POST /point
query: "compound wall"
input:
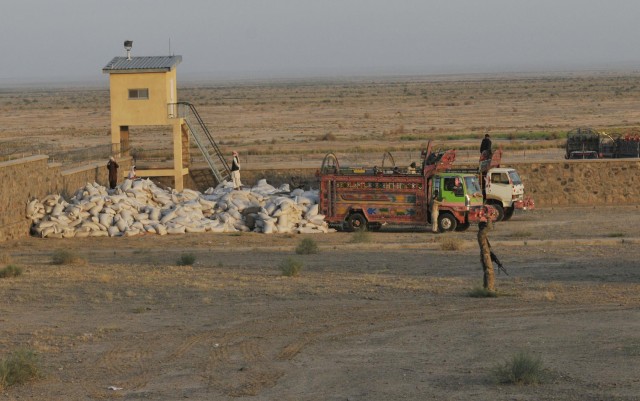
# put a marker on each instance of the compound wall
(551, 183)
(34, 177)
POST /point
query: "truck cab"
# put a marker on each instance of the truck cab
(505, 192)
(459, 196)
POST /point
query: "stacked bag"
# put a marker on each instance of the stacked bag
(140, 207)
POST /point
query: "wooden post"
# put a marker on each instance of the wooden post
(489, 282)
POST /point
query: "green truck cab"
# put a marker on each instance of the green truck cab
(460, 200)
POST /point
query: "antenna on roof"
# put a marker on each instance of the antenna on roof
(128, 44)
(169, 45)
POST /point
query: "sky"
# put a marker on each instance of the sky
(72, 40)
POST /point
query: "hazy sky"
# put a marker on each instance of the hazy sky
(62, 40)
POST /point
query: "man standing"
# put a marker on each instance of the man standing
(235, 171)
(112, 166)
(435, 205)
(486, 144)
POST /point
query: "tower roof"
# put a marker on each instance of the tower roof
(123, 65)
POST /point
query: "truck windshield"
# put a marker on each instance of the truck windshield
(473, 185)
(515, 178)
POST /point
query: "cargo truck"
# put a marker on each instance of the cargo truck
(367, 198)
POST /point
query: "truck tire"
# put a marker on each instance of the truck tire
(446, 222)
(356, 222)
(462, 226)
(508, 213)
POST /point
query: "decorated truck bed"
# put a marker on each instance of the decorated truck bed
(367, 198)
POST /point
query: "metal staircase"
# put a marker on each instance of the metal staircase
(203, 139)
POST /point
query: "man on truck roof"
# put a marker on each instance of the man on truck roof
(485, 145)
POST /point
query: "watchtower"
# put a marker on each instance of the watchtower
(143, 92)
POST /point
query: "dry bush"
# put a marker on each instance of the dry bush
(451, 244)
(522, 368)
(291, 267)
(10, 271)
(186, 259)
(359, 237)
(329, 136)
(65, 257)
(399, 130)
(5, 258)
(521, 234)
(481, 292)
(19, 367)
(307, 246)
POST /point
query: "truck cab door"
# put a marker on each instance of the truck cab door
(433, 192)
(450, 192)
(498, 186)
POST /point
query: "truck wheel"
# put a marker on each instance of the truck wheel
(446, 222)
(463, 226)
(508, 213)
(500, 210)
(356, 222)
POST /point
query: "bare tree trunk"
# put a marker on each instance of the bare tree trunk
(489, 281)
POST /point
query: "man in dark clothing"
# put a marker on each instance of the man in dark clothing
(112, 166)
(486, 144)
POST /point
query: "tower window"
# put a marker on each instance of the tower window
(139, 93)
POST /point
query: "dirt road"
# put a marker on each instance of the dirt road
(389, 318)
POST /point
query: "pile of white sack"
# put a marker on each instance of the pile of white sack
(137, 207)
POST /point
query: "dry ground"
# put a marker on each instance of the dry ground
(386, 319)
(302, 121)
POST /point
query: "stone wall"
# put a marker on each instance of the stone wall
(34, 177)
(582, 182)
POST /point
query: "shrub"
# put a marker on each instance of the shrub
(307, 247)
(615, 235)
(359, 237)
(19, 367)
(521, 234)
(5, 258)
(291, 267)
(186, 259)
(481, 292)
(451, 244)
(522, 368)
(10, 271)
(64, 257)
(329, 136)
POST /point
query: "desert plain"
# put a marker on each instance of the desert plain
(385, 316)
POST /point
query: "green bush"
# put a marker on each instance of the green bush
(522, 368)
(481, 292)
(10, 271)
(360, 237)
(5, 258)
(451, 244)
(307, 247)
(19, 367)
(186, 259)
(291, 267)
(64, 257)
